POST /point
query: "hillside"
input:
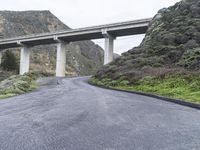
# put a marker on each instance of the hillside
(83, 57)
(170, 52)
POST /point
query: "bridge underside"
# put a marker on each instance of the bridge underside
(74, 37)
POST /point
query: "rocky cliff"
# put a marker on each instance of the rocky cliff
(83, 57)
(172, 43)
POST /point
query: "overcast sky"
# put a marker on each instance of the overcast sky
(83, 13)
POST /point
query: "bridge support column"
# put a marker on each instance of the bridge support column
(24, 60)
(61, 59)
(109, 45)
(0, 57)
(108, 53)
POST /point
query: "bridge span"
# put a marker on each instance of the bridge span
(109, 32)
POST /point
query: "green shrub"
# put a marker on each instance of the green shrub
(148, 80)
(195, 85)
(190, 58)
(18, 85)
(124, 82)
(9, 61)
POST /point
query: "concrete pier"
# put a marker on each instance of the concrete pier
(108, 53)
(0, 57)
(61, 59)
(109, 46)
(24, 60)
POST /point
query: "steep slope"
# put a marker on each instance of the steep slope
(172, 40)
(14, 23)
(170, 52)
(83, 58)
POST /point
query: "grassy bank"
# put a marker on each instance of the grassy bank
(184, 87)
(17, 84)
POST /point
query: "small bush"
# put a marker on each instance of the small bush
(9, 61)
(17, 85)
(190, 59)
(124, 82)
(148, 80)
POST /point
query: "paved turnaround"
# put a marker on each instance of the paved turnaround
(77, 116)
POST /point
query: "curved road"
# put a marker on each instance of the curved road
(76, 116)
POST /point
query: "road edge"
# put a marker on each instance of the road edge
(176, 101)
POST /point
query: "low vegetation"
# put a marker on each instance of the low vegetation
(185, 87)
(10, 83)
(17, 84)
(10, 62)
(167, 62)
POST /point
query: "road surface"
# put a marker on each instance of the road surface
(74, 115)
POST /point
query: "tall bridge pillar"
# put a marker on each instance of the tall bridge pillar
(108, 54)
(24, 59)
(109, 45)
(61, 58)
(0, 57)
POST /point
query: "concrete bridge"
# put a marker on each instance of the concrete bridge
(109, 32)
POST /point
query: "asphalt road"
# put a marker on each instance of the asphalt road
(77, 116)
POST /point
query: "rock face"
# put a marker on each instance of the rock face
(172, 41)
(83, 58)
(14, 23)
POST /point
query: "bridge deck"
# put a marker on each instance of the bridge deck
(88, 33)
